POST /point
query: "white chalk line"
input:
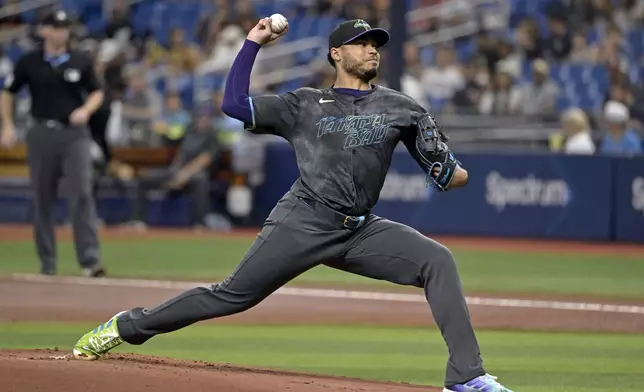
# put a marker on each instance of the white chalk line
(339, 294)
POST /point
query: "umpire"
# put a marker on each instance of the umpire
(64, 94)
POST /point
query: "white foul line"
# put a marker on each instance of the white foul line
(339, 294)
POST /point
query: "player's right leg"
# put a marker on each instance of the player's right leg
(292, 241)
(44, 172)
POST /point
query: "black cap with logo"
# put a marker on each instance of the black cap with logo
(353, 29)
(57, 19)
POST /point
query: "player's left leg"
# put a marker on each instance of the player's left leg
(391, 251)
(77, 170)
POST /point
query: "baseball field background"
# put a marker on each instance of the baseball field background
(550, 316)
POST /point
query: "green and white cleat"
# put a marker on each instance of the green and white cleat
(99, 341)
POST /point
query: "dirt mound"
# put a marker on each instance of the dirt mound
(55, 371)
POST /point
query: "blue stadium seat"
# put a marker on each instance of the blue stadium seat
(305, 27)
(563, 103)
(465, 49)
(187, 95)
(13, 51)
(635, 39)
(593, 36)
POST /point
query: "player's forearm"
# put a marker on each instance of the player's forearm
(236, 102)
(94, 101)
(197, 164)
(460, 178)
(6, 107)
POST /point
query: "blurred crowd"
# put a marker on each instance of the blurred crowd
(577, 65)
(489, 71)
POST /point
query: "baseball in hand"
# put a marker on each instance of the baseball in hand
(278, 23)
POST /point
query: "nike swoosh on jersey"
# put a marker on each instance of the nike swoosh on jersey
(322, 100)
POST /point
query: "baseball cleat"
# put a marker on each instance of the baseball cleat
(484, 383)
(95, 272)
(99, 341)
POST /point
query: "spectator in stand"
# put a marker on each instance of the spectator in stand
(337, 8)
(559, 42)
(529, 41)
(189, 172)
(228, 42)
(538, 98)
(619, 139)
(467, 99)
(576, 135)
(119, 20)
(444, 79)
(509, 59)
(501, 98)
(411, 79)
(245, 15)
(176, 78)
(210, 23)
(581, 52)
(622, 91)
(173, 121)
(141, 105)
(611, 51)
(630, 15)
(187, 55)
(380, 13)
(488, 48)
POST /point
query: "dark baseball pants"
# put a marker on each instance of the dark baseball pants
(299, 235)
(56, 151)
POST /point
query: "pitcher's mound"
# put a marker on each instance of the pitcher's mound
(57, 371)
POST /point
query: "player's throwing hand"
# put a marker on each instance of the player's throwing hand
(263, 32)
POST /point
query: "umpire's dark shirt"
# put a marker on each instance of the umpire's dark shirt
(56, 90)
(344, 144)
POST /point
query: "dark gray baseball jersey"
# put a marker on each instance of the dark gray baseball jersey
(343, 143)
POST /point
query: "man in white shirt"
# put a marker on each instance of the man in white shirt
(444, 79)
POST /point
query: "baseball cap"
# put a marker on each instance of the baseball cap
(57, 19)
(616, 112)
(351, 30)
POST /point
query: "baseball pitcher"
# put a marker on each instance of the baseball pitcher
(344, 137)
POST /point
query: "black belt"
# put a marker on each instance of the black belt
(348, 221)
(52, 122)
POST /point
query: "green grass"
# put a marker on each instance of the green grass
(212, 259)
(527, 361)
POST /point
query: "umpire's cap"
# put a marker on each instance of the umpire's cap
(57, 19)
(354, 29)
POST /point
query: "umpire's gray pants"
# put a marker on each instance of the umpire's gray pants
(298, 236)
(56, 151)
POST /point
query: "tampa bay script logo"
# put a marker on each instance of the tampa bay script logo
(360, 130)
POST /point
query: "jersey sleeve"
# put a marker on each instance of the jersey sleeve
(274, 114)
(15, 81)
(89, 80)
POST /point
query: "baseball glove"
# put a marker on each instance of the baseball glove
(434, 153)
